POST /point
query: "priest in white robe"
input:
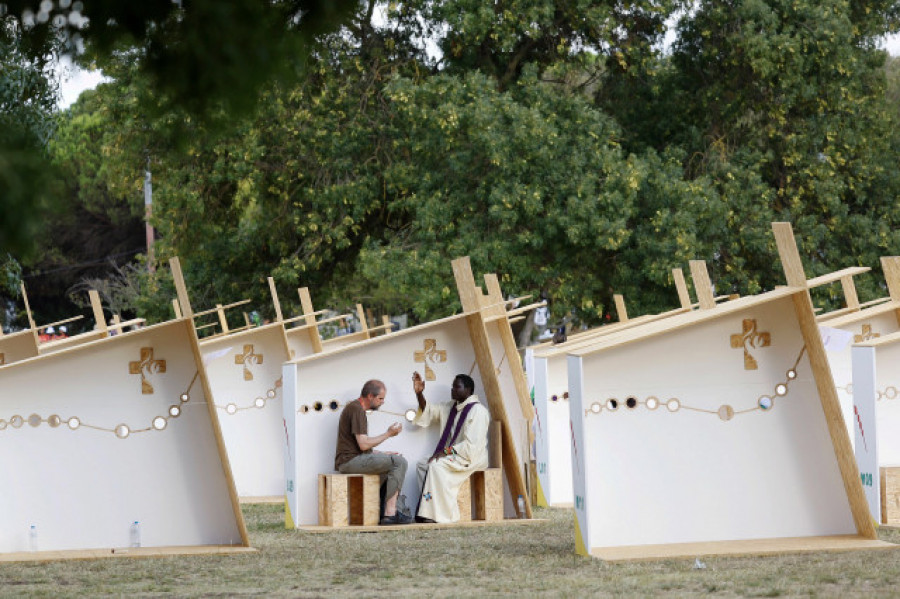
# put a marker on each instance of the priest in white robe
(461, 450)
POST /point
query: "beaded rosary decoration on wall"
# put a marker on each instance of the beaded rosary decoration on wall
(889, 392)
(122, 431)
(725, 412)
(258, 403)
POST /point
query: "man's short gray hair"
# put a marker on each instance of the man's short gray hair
(372, 387)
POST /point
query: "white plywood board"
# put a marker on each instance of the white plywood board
(244, 371)
(83, 488)
(887, 402)
(553, 459)
(864, 425)
(858, 327)
(652, 476)
(317, 388)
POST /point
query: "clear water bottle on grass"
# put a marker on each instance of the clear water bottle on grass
(32, 538)
(135, 534)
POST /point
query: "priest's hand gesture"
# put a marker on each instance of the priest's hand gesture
(419, 389)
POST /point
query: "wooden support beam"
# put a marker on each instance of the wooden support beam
(223, 322)
(515, 311)
(180, 288)
(275, 302)
(470, 296)
(34, 331)
(511, 350)
(177, 307)
(891, 267)
(850, 297)
(494, 297)
(63, 321)
(875, 302)
(306, 305)
(702, 284)
(836, 276)
(97, 307)
(621, 312)
(119, 325)
(386, 324)
(361, 315)
(304, 317)
(221, 307)
(815, 351)
(684, 297)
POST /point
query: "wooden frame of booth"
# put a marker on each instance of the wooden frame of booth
(807, 434)
(98, 445)
(480, 336)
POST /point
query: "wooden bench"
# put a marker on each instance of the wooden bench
(349, 499)
(481, 496)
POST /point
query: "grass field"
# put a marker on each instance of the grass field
(533, 560)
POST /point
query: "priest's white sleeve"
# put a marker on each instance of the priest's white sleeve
(431, 413)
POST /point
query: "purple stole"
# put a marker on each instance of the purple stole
(444, 437)
(443, 443)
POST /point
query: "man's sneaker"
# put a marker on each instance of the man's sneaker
(398, 518)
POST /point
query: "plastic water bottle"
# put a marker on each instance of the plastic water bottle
(521, 503)
(32, 538)
(136, 534)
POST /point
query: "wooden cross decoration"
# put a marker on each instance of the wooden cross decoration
(248, 358)
(430, 352)
(146, 366)
(750, 339)
(866, 335)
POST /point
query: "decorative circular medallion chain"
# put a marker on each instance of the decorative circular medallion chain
(889, 392)
(122, 431)
(258, 403)
(333, 405)
(725, 412)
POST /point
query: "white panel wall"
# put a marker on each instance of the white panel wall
(657, 477)
(83, 488)
(244, 371)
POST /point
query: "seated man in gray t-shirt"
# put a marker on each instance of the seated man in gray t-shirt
(353, 453)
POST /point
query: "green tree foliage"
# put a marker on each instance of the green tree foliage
(781, 104)
(552, 141)
(489, 174)
(27, 102)
(206, 58)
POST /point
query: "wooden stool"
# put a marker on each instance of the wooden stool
(481, 496)
(349, 499)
